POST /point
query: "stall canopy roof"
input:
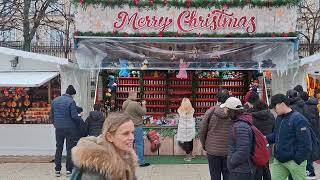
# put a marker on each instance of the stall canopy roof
(190, 53)
(310, 59)
(25, 79)
(33, 56)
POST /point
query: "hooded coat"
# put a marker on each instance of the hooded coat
(312, 114)
(297, 104)
(95, 122)
(241, 145)
(96, 159)
(214, 130)
(264, 121)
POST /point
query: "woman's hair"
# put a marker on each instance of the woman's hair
(114, 121)
(233, 114)
(186, 106)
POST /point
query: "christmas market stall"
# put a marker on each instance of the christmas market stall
(168, 50)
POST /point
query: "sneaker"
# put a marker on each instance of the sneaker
(311, 175)
(57, 173)
(144, 165)
(188, 158)
(69, 173)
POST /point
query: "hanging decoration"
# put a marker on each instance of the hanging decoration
(187, 3)
(183, 69)
(136, 2)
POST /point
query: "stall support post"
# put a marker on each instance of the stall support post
(49, 92)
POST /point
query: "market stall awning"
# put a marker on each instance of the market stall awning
(33, 56)
(25, 79)
(310, 59)
(196, 53)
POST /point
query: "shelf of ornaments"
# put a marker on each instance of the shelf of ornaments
(221, 86)
(129, 85)
(156, 113)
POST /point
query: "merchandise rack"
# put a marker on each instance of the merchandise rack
(164, 94)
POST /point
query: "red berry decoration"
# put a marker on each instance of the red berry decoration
(165, 2)
(285, 35)
(136, 2)
(225, 6)
(151, 2)
(82, 2)
(160, 34)
(187, 3)
(273, 35)
(178, 34)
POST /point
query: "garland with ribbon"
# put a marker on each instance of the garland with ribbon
(188, 3)
(177, 34)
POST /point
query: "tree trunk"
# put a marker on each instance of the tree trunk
(26, 26)
(27, 44)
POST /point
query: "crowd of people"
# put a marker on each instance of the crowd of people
(230, 132)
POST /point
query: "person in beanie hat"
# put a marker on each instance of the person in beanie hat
(292, 141)
(64, 116)
(214, 131)
(298, 88)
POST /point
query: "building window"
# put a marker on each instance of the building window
(9, 35)
(56, 37)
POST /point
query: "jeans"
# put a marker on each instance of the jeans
(263, 172)
(241, 176)
(72, 137)
(139, 143)
(218, 165)
(187, 146)
(280, 171)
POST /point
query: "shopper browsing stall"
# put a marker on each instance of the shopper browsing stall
(214, 130)
(186, 128)
(136, 111)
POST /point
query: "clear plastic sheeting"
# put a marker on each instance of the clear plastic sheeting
(190, 53)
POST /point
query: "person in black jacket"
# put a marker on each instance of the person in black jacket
(95, 121)
(264, 120)
(312, 114)
(295, 102)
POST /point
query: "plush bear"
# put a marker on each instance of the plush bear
(111, 84)
(124, 72)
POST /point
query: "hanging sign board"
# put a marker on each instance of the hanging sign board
(191, 20)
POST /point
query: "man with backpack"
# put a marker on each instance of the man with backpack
(292, 140)
(240, 164)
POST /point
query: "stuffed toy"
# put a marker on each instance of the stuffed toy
(124, 72)
(154, 139)
(183, 70)
(111, 84)
(144, 65)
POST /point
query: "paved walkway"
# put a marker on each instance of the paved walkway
(44, 171)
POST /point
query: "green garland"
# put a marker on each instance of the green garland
(189, 3)
(174, 34)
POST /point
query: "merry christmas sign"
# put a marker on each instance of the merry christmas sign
(186, 20)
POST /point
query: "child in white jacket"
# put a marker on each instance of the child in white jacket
(186, 128)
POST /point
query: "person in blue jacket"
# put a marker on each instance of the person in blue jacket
(66, 121)
(292, 141)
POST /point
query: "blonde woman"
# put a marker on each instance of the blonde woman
(109, 156)
(186, 128)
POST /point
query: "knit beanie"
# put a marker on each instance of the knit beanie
(70, 90)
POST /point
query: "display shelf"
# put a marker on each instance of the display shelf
(206, 93)
(129, 85)
(232, 79)
(156, 113)
(205, 100)
(232, 86)
(174, 106)
(154, 92)
(180, 93)
(155, 99)
(237, 93)
(154, 85)
(209, 86)
(128, 78)
(156, 106)
(180, 85)
(209, 79)
(154, 78)
(125, 92)
(202, 107)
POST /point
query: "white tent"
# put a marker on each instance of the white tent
(26, 69)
